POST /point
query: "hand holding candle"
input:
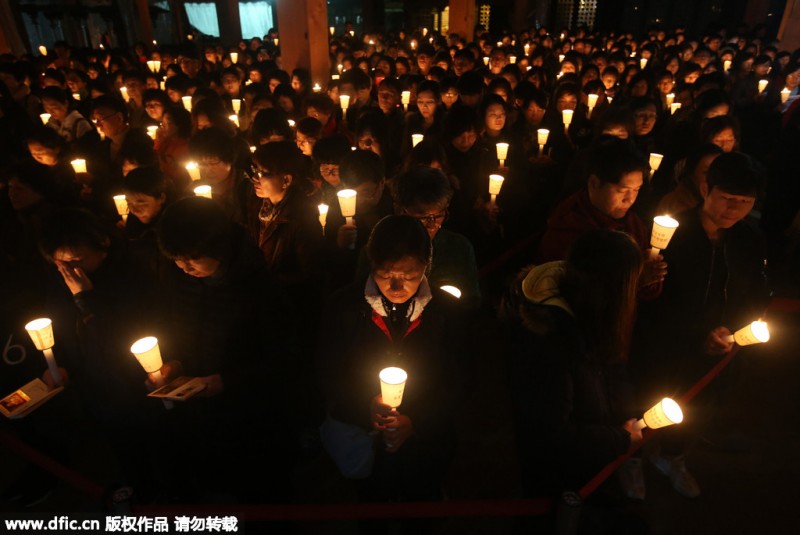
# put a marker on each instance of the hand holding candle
(344, 102)
(655, 161)
(236, 104)
(665, 412)
(755, 333)
(566, 116)
(393, 383)
(347, 204)
(663, 229)
(41, 332)
(148, 354)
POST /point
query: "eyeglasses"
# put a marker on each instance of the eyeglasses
(104, 118)
(431, 220)
(257, 174)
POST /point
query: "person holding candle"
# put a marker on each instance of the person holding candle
(69, 124)
(281, 218)
(172, 146)
(394, 318)
(568, 325)
(221, 318)
(97, 300)
(616, 175)
(147, 194)
(109, 114)
(716, 284)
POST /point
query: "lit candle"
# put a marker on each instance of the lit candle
(344, 101)
(726, 65)
(785, 95)
(323, 215)
(415, 139)
(591, 101)
(193, 170)
(566, 116)
(542, 134)
(347, 204)
(234, 119)
(413, 45)
(148, 354)
(424, 32)
(405, 98)
(663, 229)
(502, 152)
(252, 148)
(76, 96)
(486, 60)
(561, 58)
(236, 104)
(670, 98)
(755, 333)
(452, 290)
(42, 50)
(44, 117)
(276, 41)
(334, 77)
(512, 59)
(393, 382)
(79, 165)
(151, 131)
(655, 161)
(124, 91)
(317, 88)
(234, 57)
(675, 106)
(642, 63)
(527, 48)
(665, 412)
(291, 123)
(162, 85)
(121, 203)
(340, 68)
(154, 65)
(41, 332)
(203, 191)
(332, 30)
(187, 102)
(762, 85)
(352, 33)
(495, 185)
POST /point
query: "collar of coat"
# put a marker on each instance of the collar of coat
(373, 296)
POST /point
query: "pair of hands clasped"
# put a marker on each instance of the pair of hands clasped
(395, 428)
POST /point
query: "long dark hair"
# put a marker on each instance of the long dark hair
(600, 282)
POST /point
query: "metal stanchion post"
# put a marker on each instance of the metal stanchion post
(568, 514)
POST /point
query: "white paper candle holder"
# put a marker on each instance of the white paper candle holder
(347, 203)
(41, 332)
(203, 191)
(78, 165)
(755, 333)
(664, 413)
(663, 228)
(393, 383)
(416, 139)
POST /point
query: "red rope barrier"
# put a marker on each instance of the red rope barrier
(318, 512)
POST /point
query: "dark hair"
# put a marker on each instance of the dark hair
(360, 166)
(73, 227)
(460, 119)
(715, 125)
(54, 93)
(195, 227)
(110, 102)
(613, 158)
(270, 121)
(146, 180)
(736, 173)
(600, 284)
(182, 120)
(282, 158)
(396, 237)
(319, 101)
(421, 186)
(213, 142)
(430, 86)
(140, 153)
(310, 127)
(47, 137)
(331, 150)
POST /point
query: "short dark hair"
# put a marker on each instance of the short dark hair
(331, 150)
(396, 237)
(421, 186)
(282, 158)
(147, 181)
(213, 142)
(195, 227)
(613, 158)
(310, 127)
(361, 166)
(736, 173)
(73, 227)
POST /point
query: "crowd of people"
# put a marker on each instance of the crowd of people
(287, 311)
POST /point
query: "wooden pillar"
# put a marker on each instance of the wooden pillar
(303, 31)
(145, 29)
(789, 32)
(462, 18)
(230, 27)
(11, 41)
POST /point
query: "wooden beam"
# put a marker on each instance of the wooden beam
(303, 31)
(145, 22)
(463, 15)
(230, 27)
(789, 32)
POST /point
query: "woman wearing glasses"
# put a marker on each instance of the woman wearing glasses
(281, 218)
